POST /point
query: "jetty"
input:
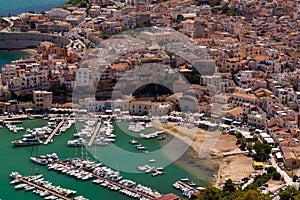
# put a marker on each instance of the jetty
(113, 182)
(124, 187)
(95, 133)
(43, 188)
(53, 132)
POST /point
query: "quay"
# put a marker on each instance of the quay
(114, 183)
(94, 134)
(12, 122)
(53, 132)
(42, 188)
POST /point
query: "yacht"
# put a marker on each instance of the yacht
(76, 143)
(41, 161)
(14, 175)
(20, 186)
(26, 142)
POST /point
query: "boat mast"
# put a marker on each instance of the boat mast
(95, 151)
(36, 165)
(82, 152)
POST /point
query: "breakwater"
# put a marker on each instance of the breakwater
(15, 41)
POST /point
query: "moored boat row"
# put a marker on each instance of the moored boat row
(43, 188)
(106, 177)
(186, 189)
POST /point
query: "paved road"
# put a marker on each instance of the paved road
(288, 180)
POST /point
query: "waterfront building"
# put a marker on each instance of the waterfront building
(42, 100)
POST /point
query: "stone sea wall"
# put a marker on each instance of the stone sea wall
(14, 41)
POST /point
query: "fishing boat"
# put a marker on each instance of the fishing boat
(141, 147)
(192, 184)
(185, 179)
(133, 142)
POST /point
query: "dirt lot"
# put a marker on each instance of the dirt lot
(236, 167)
(225, 143)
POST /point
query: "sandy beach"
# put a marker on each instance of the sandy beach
(224, 166)
(30, 51)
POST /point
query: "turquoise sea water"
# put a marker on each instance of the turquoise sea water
(17, 159)
(18, 6)
(8, 56)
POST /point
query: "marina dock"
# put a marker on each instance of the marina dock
(53, 132)
(44, 189)
(94, 134)
(114, 183)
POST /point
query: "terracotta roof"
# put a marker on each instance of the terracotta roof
(243, 95)
(46, 43)
(283, 133)
(284, 143)
(275, 128)
(118, 66)
(235, 111)
(170, 196)
(260, 57)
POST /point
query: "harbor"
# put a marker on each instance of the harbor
(106, 154)
(86, 169)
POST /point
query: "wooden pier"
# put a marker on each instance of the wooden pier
(94, 134)
(44, 189)
(53, 132)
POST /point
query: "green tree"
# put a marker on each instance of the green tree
(243, 143)
(228, 187)
(262, 150)
(239, 135)
(276, 176)
(253, 195)
(210, 193)
(249, 147)
(104, 36)
(271, 170)
(286, 195)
